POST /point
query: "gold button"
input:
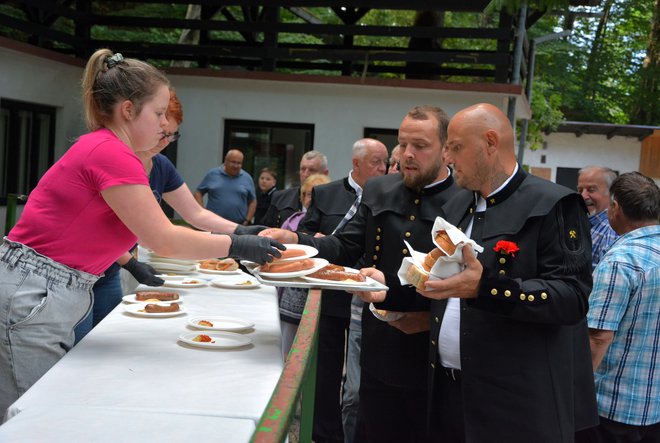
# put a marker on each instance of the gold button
(501, 272)
(471, 210)
(375, 257)
(507, 293)
(433, 342)
(530, 297)
(502, 260)
(493, 291)
(437, 319)
(412, 218)
(523, 297)
(408, 234)
(378, 229)
(377, 248)
(404, 251)
(378, 237)
(416, 201)
(544, 295)
(433, 365)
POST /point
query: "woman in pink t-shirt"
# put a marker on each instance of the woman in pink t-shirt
(89, 208)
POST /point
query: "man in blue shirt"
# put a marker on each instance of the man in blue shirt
(594, 186)
(624, 325)
(230, 190)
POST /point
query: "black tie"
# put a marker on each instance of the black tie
(477, 226)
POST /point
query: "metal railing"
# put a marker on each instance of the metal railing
(12, 203)
(299, 374)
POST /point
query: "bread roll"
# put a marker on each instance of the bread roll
(226, 264)
(431, 258)
(416, 276)
(443, 240)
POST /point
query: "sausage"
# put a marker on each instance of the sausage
(162, 296)
(291, 266)
(291, 253)
(153, 308)
(337, 273)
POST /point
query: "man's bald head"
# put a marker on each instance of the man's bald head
(480, 146)
(484, 117)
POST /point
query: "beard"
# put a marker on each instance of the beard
(420, 178)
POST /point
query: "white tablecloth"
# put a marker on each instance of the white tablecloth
(137, 364)
(73, 424)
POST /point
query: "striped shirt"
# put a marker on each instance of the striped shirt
(626, 299)
(602, 236)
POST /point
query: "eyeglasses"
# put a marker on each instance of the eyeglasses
(171, 136)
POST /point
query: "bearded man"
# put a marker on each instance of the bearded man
(394, 208)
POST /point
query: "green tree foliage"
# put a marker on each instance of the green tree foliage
(598, 69)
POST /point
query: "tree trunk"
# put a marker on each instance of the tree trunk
(591, 71)
(645, 111)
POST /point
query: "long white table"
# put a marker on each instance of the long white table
(133, 365)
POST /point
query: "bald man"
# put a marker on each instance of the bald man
(509, 351)
(230, 190)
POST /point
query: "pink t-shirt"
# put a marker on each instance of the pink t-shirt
(66, 218)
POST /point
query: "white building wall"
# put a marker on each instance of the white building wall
(339, 112)
(568, 151)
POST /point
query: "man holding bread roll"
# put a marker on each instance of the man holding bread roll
(509, 352)
(394, 208)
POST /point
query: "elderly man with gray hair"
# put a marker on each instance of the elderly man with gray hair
(594, 186)
(287, 201)
(332, 206)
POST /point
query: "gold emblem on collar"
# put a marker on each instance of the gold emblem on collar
(492, 201)
(572, 234)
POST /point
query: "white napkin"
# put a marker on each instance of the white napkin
(446, 265)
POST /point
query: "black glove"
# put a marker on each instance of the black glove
(257, 249)
(249, 230)
(143, 273)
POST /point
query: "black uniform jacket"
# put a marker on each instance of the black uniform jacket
(330, 202)
(389, 214)
(525, 359)
(282, 204)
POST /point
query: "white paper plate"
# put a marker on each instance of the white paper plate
(309, 252)
(186, 283)
(171, 261)
(138, 309)
(171, 277)
(130, 298)
(318, 264)
(389, 315)
(222, 340)
(236, 282)
(221, 323)
(180, 269)
(214, 271)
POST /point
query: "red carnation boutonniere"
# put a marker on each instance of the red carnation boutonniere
(506, 247)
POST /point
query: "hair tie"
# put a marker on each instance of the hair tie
(114, 60)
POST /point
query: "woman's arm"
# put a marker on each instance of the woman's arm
(155, 231)
(183, 202)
